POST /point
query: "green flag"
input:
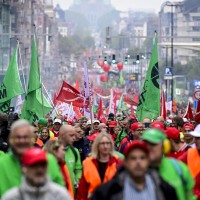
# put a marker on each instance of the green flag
(149, 101)
(11, 85)
(33, 108)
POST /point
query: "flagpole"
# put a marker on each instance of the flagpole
(22, 68)
(35, 35)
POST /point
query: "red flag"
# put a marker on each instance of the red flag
(69, 94)
(163, 111)
(100, 112)
(189, 114)
(197, 115)
(130, 100)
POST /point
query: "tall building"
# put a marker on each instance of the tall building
(186, 31)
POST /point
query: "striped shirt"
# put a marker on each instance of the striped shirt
(132, 193)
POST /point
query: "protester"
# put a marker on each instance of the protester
(178, 147)
(192, 159)
(57, 149)
(135, 133)
(37, 141)
(45, 135)
(56, 127)
(188, 138)
(123, 133)
(173, 172)
(72, 155)
(112, 125)
(4, 132)
(146, 122)
(160, 119)
(50, 123)
(134, 180)
(99, 168)
(96, 126)
(81, 142)
(35, 183)
(103, 127)
(20, 140)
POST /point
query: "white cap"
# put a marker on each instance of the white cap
(89, 122)
(185, 119)
(57, 121)
(169, 121)
(96, 121)
(196, 132)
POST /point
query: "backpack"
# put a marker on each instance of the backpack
(74, 152)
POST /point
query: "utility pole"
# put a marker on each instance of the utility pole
(172, 51)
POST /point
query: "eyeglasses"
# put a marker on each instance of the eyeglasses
(44, 132)
(105, 143)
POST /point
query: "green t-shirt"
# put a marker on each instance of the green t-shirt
(169, 173)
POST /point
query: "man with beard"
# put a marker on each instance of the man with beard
(35, 182)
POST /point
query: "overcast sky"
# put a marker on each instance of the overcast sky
(152, 5)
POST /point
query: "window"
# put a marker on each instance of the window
(196, 28)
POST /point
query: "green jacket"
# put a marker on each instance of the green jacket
(1, 153)
(10, 169)
(120, 137)
(74, 166)
(169, 172)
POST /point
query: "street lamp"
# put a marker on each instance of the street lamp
(174, 4)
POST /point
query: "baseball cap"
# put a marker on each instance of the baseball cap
(173, 133)
(191, 126)
(154, 136)
(136, 144)
(33, 156)
(158, 125)
(112, 124)
(96, 121)
(57, 121)
(89, 122)
(196, 132)
(93, 136)
(136, 125)
(42, 121)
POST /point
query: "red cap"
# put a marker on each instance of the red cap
(173, 133)
(33, 156)
(112, 124)
(191, 126)
(93, 136)
(136, 125)
(158, 125)
(136, 144)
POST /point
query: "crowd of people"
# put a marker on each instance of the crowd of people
(121, 159)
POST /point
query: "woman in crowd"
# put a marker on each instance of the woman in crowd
(57, 149)
(99, 168)
(44, 136)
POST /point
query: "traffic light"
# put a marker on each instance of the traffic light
(113, 59)
(105, 60)
(126, 60)
(137, 59)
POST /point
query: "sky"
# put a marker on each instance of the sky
(123, 5)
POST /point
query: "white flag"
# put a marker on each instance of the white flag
(19, 104)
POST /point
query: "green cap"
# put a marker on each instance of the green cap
(154, 136)
(42, 121)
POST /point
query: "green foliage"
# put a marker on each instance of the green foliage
(77, 43)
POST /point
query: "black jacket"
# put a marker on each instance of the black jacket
(113, 189)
